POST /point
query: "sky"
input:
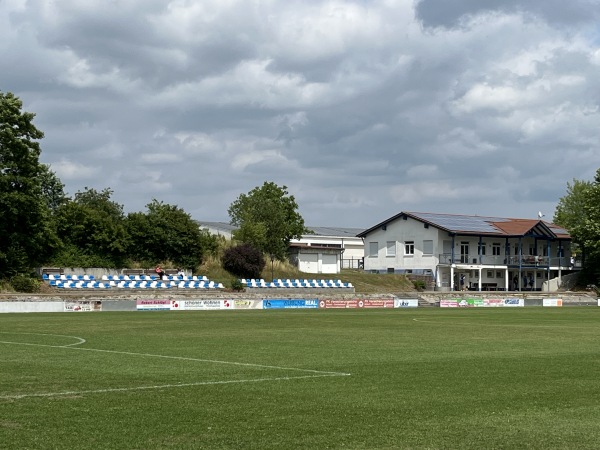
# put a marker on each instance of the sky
(361, 108)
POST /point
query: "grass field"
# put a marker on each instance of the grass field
(426, 378)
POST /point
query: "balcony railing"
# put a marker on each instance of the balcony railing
(512, 260)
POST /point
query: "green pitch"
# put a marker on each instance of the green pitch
(427, 378)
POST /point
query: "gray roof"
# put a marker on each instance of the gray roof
(224, 226)
(335, 231)
(479, 225)
(318, 231)
(452, 222)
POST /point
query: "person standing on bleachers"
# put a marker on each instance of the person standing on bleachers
(159, 272)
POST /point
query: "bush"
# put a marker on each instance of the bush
(24, 283)
(419, 285)
(244, 261)
(237, 285)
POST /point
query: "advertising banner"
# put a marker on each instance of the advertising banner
(247, 304)
(82, 306)
(337, 303)
(482, 302)
(153, 305)
(512, 302)
(195, 305)
(552, 302)
(471, 303)
(493, 302)
(290, 303)
(376, 303)
(449, 303)
(406, 302)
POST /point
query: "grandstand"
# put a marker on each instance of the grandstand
(124, 281)
(297, 283)
(140, 280)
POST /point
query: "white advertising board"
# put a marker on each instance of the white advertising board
(406, 303)
(194, 305)
(27, 307)
(552, 302)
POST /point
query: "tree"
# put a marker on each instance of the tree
(92, 229)
(166, 233)
(27, 235)
(571, 208)
(579, 212)
(587, 231)
(267, 218)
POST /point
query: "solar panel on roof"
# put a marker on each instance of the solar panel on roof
(475, 224)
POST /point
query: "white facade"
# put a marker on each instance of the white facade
(315, 260)
(327, 250)
(466, 259)
(385, 248)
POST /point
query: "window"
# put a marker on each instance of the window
(499, 274)
(496, 249)
(428, 247)
(409, 248)
(490, 274)
(391, 248)
(373, 249)
(531, 249)
(482, 249)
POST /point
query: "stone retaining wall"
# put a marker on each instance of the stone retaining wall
(425, 298)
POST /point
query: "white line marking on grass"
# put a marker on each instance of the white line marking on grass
(314, 373)
(169, 386)
(214, 361)
(182, 358)
(79, 339)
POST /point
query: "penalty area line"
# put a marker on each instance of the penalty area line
(168, 386)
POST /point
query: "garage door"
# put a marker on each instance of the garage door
(308, 262)
(330, 264)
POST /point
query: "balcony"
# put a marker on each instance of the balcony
(510, 261)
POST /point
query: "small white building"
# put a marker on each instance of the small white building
(470, 252)
(325, 250)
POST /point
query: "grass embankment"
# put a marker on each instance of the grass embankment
(363, 282)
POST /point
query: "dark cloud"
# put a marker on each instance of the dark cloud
(451, 13)
(361, 108)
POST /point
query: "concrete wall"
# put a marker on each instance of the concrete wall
(127, 302)
(29, 306)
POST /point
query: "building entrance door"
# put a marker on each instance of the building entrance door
(464, 252)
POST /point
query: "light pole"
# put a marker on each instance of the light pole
(272, 261)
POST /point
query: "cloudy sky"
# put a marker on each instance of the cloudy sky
(361, 108)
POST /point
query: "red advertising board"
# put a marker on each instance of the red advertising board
(338, 303)
(357, 303)
(379, 303)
